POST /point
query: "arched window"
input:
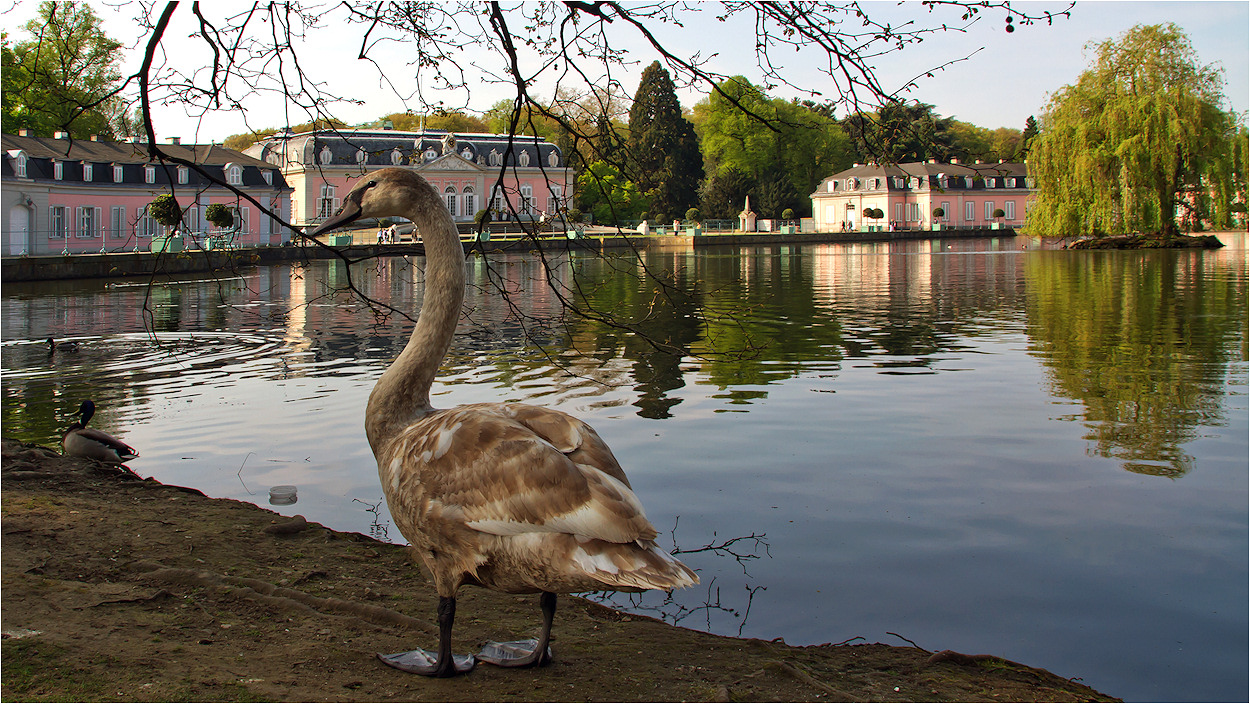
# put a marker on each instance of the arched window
(470, 200)
(361, 156)
(234, 174)
(19, 167)
(523, 159)
(449, 195)
(553, 159)
(430, 154)
(325, 155)
(397, 157)
(497, 203)
(495, 158)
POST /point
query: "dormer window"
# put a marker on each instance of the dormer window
(86, 171)
(361, 157)
(149, 174)
(524, 158)
(268, 176)
(118, 175)
(397, 157)
(430, 154)
(58, 170)
(833, 186)
(1011, 182)
(325, 155)
(967, 182)
(234, 174)
(19, 164)
(183, 174)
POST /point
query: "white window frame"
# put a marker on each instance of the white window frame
(234, 175)
(1010, 208)
(58, 170)
(327, 204)
(57, 222)
(497, 202)
(19, 167)
(147, 227)
(183, 174)
(88, 222)
(449, 199)
(268, 175)
(898, 212)
(989, 211)
(149, 174)
(527, 199)
(946, 211)
(117, 221)
(88, 171)
(118, 173)
(470, 200)
(970, 211)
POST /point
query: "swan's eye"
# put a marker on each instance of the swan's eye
(371, 184)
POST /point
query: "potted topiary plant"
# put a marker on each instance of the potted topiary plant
(998, 214)
(221, 216)
(481, 225)
(165, 211)
(787, 218)
(659, 220)
(573, 216)
(938, 214)
(693, 228)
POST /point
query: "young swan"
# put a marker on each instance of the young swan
(506, 496)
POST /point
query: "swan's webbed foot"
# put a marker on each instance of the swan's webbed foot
(524, 653)
(516, 653)
(425, 662)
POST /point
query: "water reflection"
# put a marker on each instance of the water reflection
(1143, 341)
(884, 413)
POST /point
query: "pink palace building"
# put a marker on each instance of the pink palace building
(517, 174)
(924, 196)
(86, 195)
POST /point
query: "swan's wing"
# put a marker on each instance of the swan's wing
(498, 475)
(571, 436)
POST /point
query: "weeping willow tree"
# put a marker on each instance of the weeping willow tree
(1140, 139)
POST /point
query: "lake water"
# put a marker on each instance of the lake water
(1035, 453)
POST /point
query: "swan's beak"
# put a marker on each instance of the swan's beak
(350, 212)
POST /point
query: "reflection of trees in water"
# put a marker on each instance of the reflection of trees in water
(1143, 340)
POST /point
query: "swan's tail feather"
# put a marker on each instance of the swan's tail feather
(631, 566)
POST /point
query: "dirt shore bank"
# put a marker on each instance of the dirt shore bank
(117, 588)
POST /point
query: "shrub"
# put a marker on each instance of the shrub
(574, 216)
(481, 220)
(787, 214)
(998, 213)
(692, 215)
(165, 210)
(219, 215)
(938, 212)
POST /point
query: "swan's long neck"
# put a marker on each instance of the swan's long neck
(402, 394)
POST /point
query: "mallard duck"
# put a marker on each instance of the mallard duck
(507, 496)
(67, 346)
(81, 441)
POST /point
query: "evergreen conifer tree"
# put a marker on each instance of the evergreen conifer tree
(663, 149)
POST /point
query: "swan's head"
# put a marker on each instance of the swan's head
(384, 193)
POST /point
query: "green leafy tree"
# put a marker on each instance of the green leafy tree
(608, 195)
(66, 77)
(724, 193)
(1026, 137)
(784, 147)
(1140, 134)
(664, 155)
(902, 132)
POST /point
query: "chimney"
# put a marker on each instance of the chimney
(954, 160)
(95, 137)
(23, 132)
(173, 140)
(60, 135)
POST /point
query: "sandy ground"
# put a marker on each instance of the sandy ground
(118, 588)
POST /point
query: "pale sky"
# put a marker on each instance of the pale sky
(1007, 78)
